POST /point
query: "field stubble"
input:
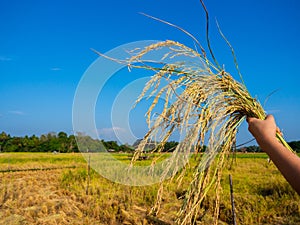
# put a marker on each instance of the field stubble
(59, 196)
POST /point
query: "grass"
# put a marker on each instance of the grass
(262, 196)
(31, 161)
(22, 158)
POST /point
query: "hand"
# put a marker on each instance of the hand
(263, 130)
(287, 162)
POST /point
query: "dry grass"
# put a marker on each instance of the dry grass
(58, 197)
(34, 198)
(262, 196)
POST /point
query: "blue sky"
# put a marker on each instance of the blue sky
(45, 50)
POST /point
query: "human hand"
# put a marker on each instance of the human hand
(286, 161)
(263, 130)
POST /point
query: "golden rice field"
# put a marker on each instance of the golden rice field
(52, 189)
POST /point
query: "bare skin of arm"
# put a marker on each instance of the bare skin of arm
(287, 162)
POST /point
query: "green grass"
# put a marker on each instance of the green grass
(21, 158)
(37, 161)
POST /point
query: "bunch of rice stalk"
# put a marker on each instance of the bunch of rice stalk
(209, 106)
(204, 104)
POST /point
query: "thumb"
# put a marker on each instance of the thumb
(270, 118)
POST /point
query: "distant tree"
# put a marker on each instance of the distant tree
(13, 145)
(136, 143)
(125, 148)
(203, 149)
(111, 145)
(72, 145)
(63, 141)
(170, 146)
(43, 138)
(3, 139)
(62, 135)
(53, 142)
(87, 144)
(34, 144)
(295, 145)
(253, 148)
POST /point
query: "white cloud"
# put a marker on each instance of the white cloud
(110, 133)
(16, 112)
(271, 111)
(122, 135)
(110, 130)
(56, 69)
(5, 58)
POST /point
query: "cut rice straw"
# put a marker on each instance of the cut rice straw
(204, 104)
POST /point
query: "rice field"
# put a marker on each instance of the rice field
(45, 188)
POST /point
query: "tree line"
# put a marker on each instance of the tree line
(50, 142)
(295, 145)
(64, 143)
(57, 142)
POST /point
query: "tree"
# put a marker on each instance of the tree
(72, 145)
(13, 145)
(295, 145)
(253, 148)
(3, 139)
(125, 148)
(170, 146)
(111, 145)
(63, 141)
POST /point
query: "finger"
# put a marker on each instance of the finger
(270, 117)
(251, 119)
